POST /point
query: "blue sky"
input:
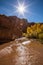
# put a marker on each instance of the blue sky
(35, 10)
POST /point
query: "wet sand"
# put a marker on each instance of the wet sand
(21, 52)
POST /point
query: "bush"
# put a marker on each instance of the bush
(34, 31)
(40, 36)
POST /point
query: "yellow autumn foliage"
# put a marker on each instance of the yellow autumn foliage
(35, 31)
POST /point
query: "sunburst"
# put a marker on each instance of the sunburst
(21, 8)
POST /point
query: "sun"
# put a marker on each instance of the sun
(21, 8)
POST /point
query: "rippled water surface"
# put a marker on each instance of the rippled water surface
(21, 52)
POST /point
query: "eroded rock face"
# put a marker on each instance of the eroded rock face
(11, 27)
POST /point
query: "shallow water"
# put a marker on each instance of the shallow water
(27, 52)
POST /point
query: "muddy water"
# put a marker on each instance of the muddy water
(21, 52)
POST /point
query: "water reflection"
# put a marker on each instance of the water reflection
(21, 58)
(24, 56)
(26, 42)
(21, 54)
